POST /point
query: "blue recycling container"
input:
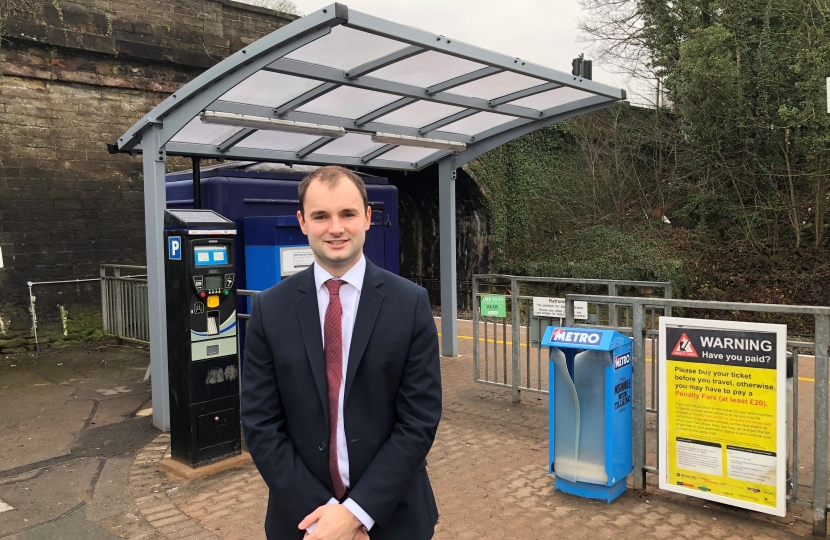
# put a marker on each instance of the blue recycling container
(590, 411)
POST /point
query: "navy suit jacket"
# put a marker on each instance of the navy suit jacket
(392, 404)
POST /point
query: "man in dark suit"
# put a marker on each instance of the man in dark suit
(341, 384)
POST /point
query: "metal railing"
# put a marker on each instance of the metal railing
(243, 318)
(124, 302)
(528, 374)
(248, 294)
(642, 332)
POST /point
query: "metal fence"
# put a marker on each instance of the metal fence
(645, 382)
(520, 371)
(124, 302)
(125, 315)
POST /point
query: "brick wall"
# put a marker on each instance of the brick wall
(74, 75)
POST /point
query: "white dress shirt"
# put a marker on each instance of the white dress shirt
(349, 300)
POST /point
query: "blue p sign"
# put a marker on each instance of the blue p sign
(174, 248)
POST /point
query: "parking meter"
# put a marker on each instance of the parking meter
(203, 356)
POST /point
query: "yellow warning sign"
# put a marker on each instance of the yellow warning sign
(723, 414)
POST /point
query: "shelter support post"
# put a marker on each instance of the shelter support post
(476, 331)
(516, 336)
(154, 202)
(449, 290)
(197, 182)
(639, 406)
(820, 429)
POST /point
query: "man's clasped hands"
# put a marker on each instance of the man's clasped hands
(334, 522)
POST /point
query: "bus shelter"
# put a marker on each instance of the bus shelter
(340, 87)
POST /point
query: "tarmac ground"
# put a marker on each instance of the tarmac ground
(78, 457)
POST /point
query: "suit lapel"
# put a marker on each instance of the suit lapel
(367, 313)
(312, 335)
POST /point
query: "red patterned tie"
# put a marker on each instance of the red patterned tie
(334, 375)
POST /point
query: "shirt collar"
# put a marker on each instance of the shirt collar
(353, 277)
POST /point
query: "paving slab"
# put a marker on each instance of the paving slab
(66, 449)
(74, 526)
(39, 422)
(47, 494)
(48, 398)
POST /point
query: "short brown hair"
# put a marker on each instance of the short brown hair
(331, 175)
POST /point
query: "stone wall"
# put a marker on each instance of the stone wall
(74, 75)
(419, 232)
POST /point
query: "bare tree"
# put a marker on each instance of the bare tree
(283, 6)
(614, 30)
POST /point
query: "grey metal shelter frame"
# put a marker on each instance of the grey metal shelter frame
(339, 68)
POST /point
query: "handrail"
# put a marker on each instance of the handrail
(700, 304)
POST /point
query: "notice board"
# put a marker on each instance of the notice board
(494, 305)
(723, 433)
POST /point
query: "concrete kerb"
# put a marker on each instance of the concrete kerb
(189, 474)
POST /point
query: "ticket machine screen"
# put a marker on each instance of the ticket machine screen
(210, 255)
(213, 282)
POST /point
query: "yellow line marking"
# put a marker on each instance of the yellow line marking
(485, 340)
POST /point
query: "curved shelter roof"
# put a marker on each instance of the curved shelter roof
(342, 87)
(363, 76)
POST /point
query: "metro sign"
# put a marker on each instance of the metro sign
(576, 336)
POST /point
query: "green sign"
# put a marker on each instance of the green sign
(493, 306)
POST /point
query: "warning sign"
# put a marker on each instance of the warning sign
(723, 412)
(684, 347)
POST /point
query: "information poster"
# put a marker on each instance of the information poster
(295, 259)
(723, 412)
(554, 308)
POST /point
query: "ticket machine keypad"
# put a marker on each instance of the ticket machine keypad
(199, 284)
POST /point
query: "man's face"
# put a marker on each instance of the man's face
(336, 223)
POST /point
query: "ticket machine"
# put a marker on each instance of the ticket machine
(203, 356)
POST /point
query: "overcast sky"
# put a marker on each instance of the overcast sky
(542, 31)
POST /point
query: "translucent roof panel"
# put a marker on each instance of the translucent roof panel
(352, 145)
(197, 132)
(277, 140)
(348, 102)
(427, 69)
(358, 74)
(496, 85)
(552, 98)
(408, 154)
(419, 114)
(477, 123)
(345, 48)
(269, 89)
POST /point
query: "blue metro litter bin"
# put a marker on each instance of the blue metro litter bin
(590, 411)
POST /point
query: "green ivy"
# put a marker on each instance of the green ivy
(517, 180)
(548, 219)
